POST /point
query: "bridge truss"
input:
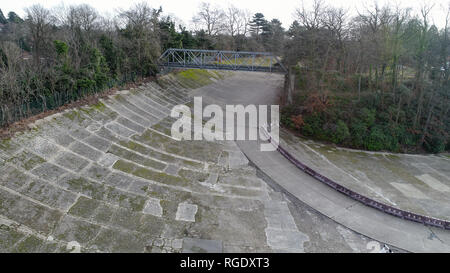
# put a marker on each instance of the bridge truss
(221, 60)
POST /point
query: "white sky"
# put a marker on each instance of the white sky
(185, 9)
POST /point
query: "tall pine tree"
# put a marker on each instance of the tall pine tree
(258, 23)
(2, 18)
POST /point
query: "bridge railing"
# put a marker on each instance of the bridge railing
(221, 60)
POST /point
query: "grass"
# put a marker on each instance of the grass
(195, 78)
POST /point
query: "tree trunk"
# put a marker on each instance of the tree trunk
(291, 86)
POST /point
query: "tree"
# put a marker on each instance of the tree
(210, 18)
(81, 23)
(422, 47)
(335, 21)
(14, 18)
(342, 132)
(140, 38)
(257, 24)
(170, 38)
(232, 14)
(273, 36)
(395, 43)
(2, 18)
(397, 65)
(236, 21)
(39, 21)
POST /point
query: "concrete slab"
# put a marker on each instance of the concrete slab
(286, 240)
(433, 182)
(409, 191)
(186, 212)
(192, 245)
(153, 207)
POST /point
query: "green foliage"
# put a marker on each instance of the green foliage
(112, 55)
(285, 116)
(61, 48)
(258, 23)
(376, 140)
(3, 59)
(434, 144)
(314, 126)
(342, 132)
(170, 38)
(358, 132)
(14, 18)
(368, 116)
(2, 18)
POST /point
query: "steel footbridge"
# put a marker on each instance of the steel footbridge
(221, 60)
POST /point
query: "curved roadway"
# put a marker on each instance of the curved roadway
(262, 88)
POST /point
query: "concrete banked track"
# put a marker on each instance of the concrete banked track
(415, 187)
(109, 178)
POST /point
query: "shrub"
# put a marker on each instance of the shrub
(298, 121)
(358, 133)
(434, 144)
(342, 132)
(313, 126)
(368, 116)
(376, 140)
(61, 47)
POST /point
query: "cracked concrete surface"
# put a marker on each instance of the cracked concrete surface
(415, 183)
(109, 178)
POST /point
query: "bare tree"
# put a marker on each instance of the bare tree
(78, 27)
(311, 19)
(232, 17)
(244, 19)
(375, 23)
(82, 17)
(399, 19)
(421, 54)
(39, 22)
(141, 35)
(335, 20)
(237, 21)
(211, 18)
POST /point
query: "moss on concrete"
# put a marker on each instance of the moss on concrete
(26, 160)
(193, 176)
(29, 245)
(164, 178)
(84, 207)
(196, 77)
(123, 153)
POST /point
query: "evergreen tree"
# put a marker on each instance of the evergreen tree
(14, 18)
(2, 18)
(258, 23)
(170, 38)
(273, 36)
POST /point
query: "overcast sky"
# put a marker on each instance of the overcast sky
(185, 9)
